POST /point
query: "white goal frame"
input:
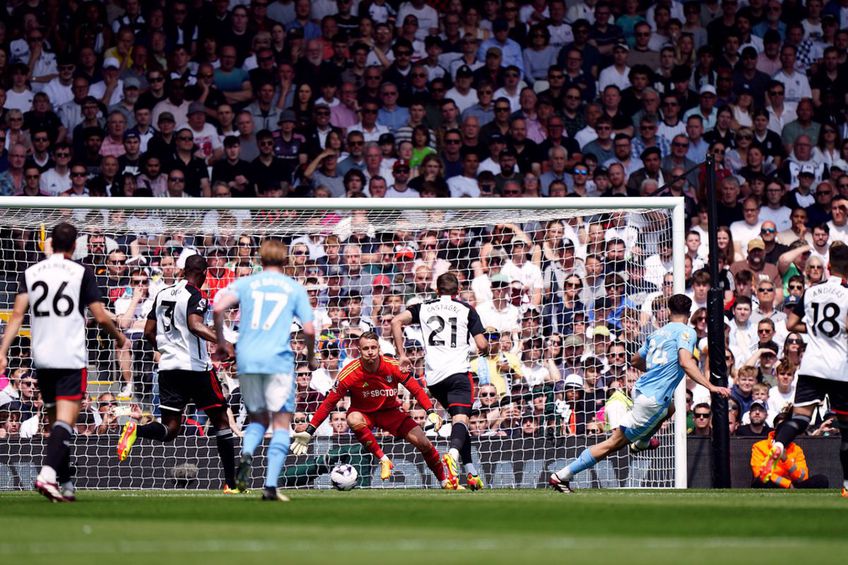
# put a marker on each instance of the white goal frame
(674, 205)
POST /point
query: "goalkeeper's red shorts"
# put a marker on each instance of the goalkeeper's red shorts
(395, 421)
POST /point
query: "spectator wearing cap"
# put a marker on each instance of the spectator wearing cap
(755, 262)
(206, 138)
(400, 188)
(758, 426)
(706, 107)
(110, 90)
(499, 312)
(510, 50)
(130, 161)
(164, 141)
(747, 76)
(618, 73)
(462, 92)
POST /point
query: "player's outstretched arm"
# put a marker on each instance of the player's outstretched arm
(690, 367)
(309, 335)
(150, 333)
(300, 440)
(198, 328)
(638, 362)
(223, 301)
(102, 317)
(794, 323)
(13, 327)
(398, 323)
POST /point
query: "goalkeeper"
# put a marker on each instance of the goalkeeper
(372, 383)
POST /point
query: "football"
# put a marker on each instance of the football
(343, 477)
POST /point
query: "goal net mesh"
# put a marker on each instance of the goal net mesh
(566, 295)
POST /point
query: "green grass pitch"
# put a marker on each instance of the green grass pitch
(434, 527)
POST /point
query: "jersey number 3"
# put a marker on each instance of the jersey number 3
(438, 325)
(279, 299)
(63, 304)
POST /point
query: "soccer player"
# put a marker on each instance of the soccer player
(666, 356)
(822, 313)
(447, 324)
(175, 328)
(268, 303)
(60, 291)
(371, 380)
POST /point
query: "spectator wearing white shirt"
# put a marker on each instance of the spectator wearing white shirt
(749, 227)
(796, 84)
(58, 90)
(465, 184)
(519, 268)
(428, 18)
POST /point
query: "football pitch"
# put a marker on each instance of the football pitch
(404, 527)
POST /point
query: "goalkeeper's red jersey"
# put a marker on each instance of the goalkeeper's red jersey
(370, 392)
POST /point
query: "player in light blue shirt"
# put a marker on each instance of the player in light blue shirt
(268, 302)
(666, 357)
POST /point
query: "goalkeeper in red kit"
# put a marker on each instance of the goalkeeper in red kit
(372, 383)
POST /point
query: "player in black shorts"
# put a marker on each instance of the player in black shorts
(175, 328)
(447, 326)
(822, 314)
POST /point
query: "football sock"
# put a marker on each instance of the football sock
(58, 445)
(63, 473)
(454, 454)
(465, 453)
(368, 441)
(791, 428)
(253, 434)
(585, 461)
(458, 437)
(227, 453)
(277, 451)
(434, 462)
(153, 430)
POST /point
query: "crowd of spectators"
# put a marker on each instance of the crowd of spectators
(496, 98)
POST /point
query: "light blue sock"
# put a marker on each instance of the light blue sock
(253, 435)
(585, 461)
(277, 452)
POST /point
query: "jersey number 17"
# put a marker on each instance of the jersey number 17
(278, 299)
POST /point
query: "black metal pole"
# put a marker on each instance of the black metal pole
(715, 340)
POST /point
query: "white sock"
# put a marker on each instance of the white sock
(453, 452)
(564, 474)
(384, 457)
(470, 469)
(48, 474)
(845, 483)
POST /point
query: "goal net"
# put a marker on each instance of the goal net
(567, 289)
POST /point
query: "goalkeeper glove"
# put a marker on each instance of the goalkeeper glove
(434, 421)
(301, 441)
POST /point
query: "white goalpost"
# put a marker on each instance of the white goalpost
(582, 283)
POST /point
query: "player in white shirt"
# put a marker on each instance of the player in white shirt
(822, 314)
(175, 328)
(61, 289)
(447, 325)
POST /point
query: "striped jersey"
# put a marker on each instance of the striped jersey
(179, 348)
(447, 325)
(58, 290)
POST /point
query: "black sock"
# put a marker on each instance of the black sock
(64, 472)
(227, 453)
(465, 452)
(58, 446)
(791, 428)
(153, 430)
(459, 438)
